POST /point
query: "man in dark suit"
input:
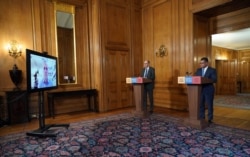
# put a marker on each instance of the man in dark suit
(207, 91)
(148, 72)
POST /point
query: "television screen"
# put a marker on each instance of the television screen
(41, 71)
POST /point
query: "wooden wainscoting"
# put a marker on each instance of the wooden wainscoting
(226, 77)
(244, 64)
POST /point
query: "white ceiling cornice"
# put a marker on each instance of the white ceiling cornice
(235, 40)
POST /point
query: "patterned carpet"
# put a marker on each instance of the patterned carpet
(241, 101)
(128, 136)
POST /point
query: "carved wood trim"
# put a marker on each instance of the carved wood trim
(206, 4)
(231, 21)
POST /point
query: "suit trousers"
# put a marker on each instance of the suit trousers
(148, 93)
(207, 97)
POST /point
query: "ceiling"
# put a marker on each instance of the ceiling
(236, 40)
(64, 19)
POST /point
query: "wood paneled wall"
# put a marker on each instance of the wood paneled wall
(83, 62)
(202, 40)
(231, 21)
(226, 77)
(244, 55)
(20, 21)
(225, 61)
(17, 23)
(121, 42)
(233, 67)
(168, 22)
(113, 39)
(244, 70)
(220, 53)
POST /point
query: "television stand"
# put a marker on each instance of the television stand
(43, 130)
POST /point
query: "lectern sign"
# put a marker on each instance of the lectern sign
(193, 80)
(139, 80)
(128, 80)
(189, 80)
(133, 80)
(181, 80)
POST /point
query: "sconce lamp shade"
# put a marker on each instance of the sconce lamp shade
(14, 49)
(16, 76)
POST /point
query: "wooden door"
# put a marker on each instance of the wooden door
(245, 76)
(117, 68)
(226, 77)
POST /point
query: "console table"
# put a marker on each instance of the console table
(90, 93)
(18, 106)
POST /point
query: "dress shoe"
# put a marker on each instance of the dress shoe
(210, 121)
(151, 112)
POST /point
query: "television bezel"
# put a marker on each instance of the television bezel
(28, 70)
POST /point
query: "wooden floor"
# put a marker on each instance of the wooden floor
(237, 118)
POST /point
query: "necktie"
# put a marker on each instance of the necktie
(203, 72)
(146, 73)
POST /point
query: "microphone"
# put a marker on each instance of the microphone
(188, 73)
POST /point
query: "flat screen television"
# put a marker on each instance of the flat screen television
(41, 71)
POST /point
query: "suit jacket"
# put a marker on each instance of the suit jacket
(150, 75)
(211, 74)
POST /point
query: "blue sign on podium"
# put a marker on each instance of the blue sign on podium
(188, 80)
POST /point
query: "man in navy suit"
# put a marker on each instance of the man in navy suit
(148, 72)
(207, 91)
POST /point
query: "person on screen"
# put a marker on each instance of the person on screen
(36, 80)
(207, 91)
(45, 82)
(148, 72)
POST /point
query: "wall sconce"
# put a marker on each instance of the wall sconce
(14, 49)
(162, 51)
(15, 74)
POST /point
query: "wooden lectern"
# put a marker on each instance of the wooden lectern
(194, 84)
(138, 86)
